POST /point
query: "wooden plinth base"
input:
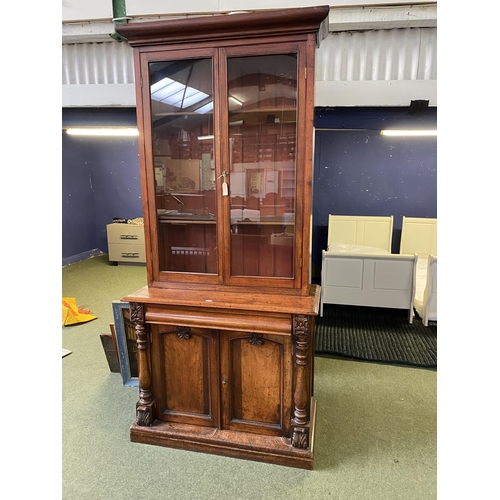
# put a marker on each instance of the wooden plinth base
(244, 445)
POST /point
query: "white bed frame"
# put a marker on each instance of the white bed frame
(369, 231)
(419, 236)
(427, 306)
(361, 279)
(369, 280)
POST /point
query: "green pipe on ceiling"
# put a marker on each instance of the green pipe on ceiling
(119, 17)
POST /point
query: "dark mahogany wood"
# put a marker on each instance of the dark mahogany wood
(286, 22)
(243, 445)
(238, 363)
(225, 341)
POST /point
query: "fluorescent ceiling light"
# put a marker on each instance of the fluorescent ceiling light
(104, 131)
(205, 137)
(402, 133)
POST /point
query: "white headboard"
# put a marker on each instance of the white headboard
(369, 231)
(419, 235)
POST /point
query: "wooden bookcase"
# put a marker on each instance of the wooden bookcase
(225, 325)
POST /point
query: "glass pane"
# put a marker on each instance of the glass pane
(262, 100)
(183, 149)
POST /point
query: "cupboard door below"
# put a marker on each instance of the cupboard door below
(256, 382)
(185, 377)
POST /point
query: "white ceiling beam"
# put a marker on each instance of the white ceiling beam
(87, 32)
(374, 93)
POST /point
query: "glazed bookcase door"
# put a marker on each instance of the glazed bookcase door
(263, 95)
(223, 133)
(181, 161)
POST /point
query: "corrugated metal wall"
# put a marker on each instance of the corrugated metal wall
(97, 63)
(397, 54)
(408, 54)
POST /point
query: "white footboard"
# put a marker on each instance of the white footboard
(426, 306)
(369, 280)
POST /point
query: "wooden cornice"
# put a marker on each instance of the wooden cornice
(263, 23)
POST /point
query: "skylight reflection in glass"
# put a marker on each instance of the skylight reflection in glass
(178, 95)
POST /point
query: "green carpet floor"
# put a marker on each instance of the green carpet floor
(375, 434)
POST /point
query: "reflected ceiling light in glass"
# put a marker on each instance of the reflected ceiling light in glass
(190, 97)
(176, 93)
(206, 108)
(235, 100)
(165, 88)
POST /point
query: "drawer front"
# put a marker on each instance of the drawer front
(125, 252)
(125, 233)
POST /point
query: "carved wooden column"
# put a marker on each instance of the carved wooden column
(301, 389)
(145, 405)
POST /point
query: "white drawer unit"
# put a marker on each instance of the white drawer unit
(126, 243)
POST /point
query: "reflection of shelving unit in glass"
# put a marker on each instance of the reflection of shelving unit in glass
(288, 183)
(225, 326)
(263, 143)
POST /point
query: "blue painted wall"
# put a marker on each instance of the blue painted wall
(356, 172)
(100, 181)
